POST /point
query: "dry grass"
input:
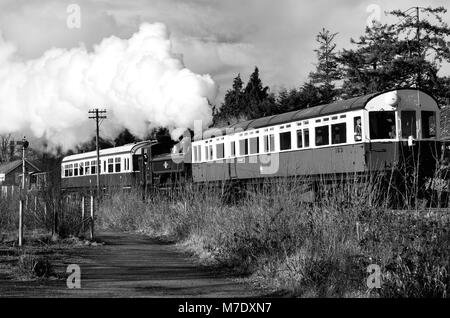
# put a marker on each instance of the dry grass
(321, 249)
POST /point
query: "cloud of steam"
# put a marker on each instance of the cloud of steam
(139, 81)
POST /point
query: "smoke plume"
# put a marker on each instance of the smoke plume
(139, 81)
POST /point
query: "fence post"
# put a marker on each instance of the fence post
(357, 230)
(92, 218)
(20, 221)
(82, 213)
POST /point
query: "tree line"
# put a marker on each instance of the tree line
(408, 53)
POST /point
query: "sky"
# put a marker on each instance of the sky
(219, 38)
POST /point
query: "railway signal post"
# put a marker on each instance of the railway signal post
(97, 115)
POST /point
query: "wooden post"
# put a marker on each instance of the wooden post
(56, 206)
(82, 214)
(23, 192)
(20, 222)
(357, 230)
(92, 218)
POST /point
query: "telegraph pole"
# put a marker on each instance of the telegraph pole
(419, 55)
(97, 115)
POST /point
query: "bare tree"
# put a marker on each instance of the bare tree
(5, 151)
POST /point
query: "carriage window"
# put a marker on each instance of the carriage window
(306, 134)
(382, 125)
(70, 170)
(339, 133)
(428, 124)
(75, 169)
(81, 168)
(408, 124)
(243, 147)
(220, 151)
(110, 165)
(66, 170)
(269, 143)
(211, 154)
(272, 143)
(233, 149)
(195, 154)
(254, 145)
(285, 140)
(93, 166)
(86, 167)
(299, 138)
(322, 136)
(357, 128)
(135, 163)
(118, 164)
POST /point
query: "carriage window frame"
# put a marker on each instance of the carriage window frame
(211, 152)
(306, 138)
(93, 167)
(75, 170)
(300, 139)
(87, 168)
(427, 127)
(243, 147)
(285, 139)
(233, 149)
(117, 164)
(357, 129)
(194, 148)
(342, 136)
(269, 143)
(253, 145)
(408, 117)
(110, 165)
(220, 150)
(199, 151)
(379, 121)
(324, 133)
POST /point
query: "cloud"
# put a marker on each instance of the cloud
(217, 37)
(140, 81)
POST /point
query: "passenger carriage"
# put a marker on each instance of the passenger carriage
(120, 167)
(376, 132)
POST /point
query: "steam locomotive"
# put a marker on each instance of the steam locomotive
(380, 132)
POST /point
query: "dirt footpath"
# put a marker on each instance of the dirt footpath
(132, 265)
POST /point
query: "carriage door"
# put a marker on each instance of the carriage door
(232, 162)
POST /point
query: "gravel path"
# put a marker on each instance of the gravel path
(132, 265)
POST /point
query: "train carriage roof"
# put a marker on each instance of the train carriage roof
(129, 148)
(302, 114)
(351, 104)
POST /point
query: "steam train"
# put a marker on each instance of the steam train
(380, 132)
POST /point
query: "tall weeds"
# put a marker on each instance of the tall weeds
(306, 249)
